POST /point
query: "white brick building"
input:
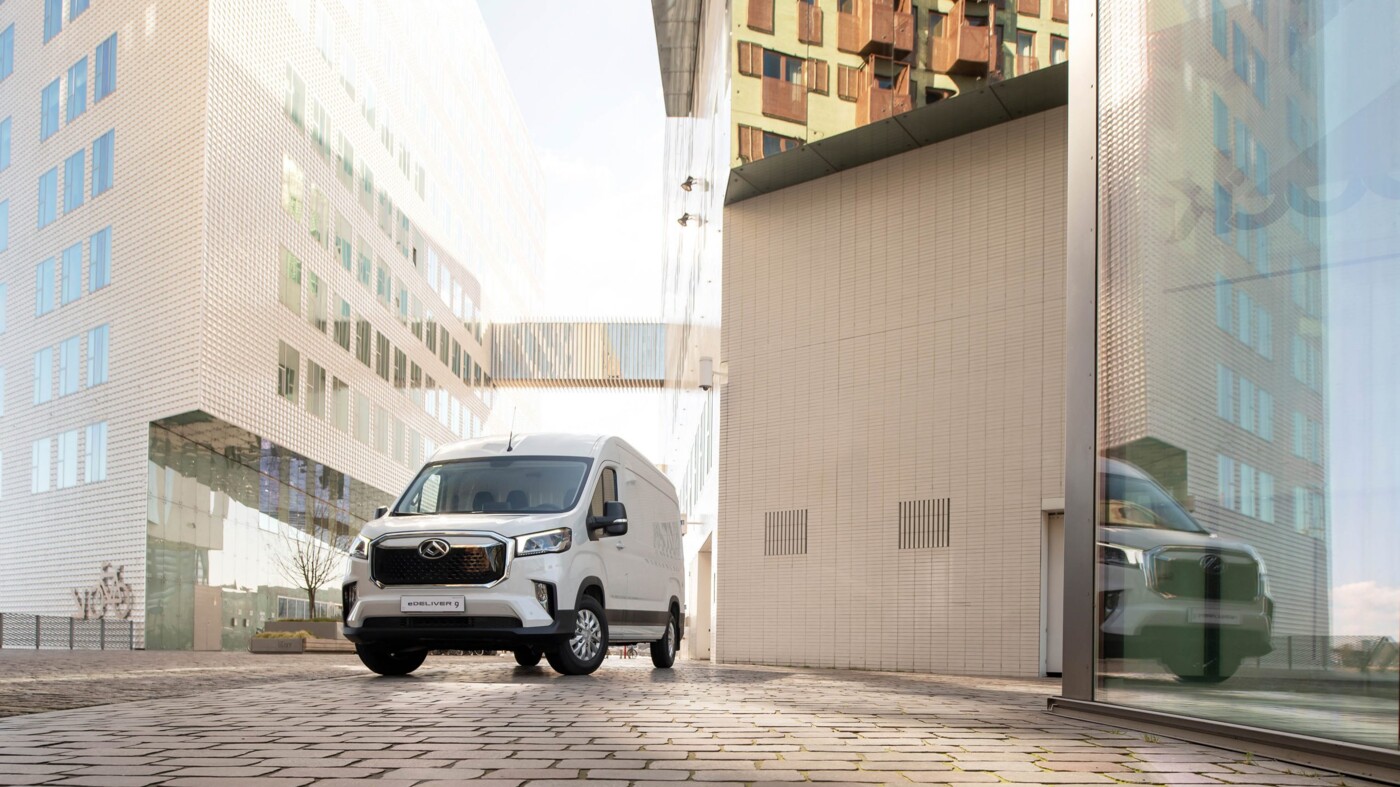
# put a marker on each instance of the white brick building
(261, 300)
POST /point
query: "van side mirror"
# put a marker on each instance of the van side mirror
(613, 521)
(380, 511)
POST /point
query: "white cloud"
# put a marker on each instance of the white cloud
(1367, 609)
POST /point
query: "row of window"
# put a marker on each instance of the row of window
(388, 435)
(1307, 438)
(1237, 314)
(69, 362)
(70, 282)
(75, 103)
(53, 15)
(1245, 489)
(1246, 150)
(74, 179)
(1241, 402)
(1247, 61)
(64, 449)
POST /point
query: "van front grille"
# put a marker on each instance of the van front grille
(462, 565)
(1202, 574)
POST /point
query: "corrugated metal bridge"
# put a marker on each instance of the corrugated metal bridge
(579, 354)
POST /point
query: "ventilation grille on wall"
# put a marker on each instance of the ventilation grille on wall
(924, 524)
(785, 532)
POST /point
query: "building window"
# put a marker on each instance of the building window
(289, 284)
(98, 340)
(5, 144)
(43, 287)
(773, 144)
(48, 110)
(362, 418)
(340, 404)
(100, 259)
(1241, 58)
(40, 471)
(104, 76)
(77, 91)
(381, 430)
(293, 185)
(76, 8)
(95, 453)
(1309, 513)
(67, 459)
(1222, 126)
(342, 324)
(102, 155)
(1261, 78)
(366, 268)
(74, 172)
(7, 52)
(53, 19)
(288, 362)
(315, 389)
(1059, 50)
(48, 197)
(4, 293)
(68, 366)
(294, 102)
(1224, 210)
(316, 301)
(364, 351)
(43, 375)
(4, 225)
(2, 391)
(400, 369)
(343, 249)
(381, 360)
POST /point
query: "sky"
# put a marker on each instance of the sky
(588, 85)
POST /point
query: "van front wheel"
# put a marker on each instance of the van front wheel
(663, 651)
(527, 657)
(584, 653)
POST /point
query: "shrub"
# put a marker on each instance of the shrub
(283, 635)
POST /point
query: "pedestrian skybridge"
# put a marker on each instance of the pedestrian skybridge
(578, 354)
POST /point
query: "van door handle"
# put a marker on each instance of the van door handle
(619, 544)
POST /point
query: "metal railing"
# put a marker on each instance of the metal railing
(1374, 656)
(54, 632)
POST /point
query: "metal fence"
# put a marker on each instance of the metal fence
(1361, 655)
(33, 632)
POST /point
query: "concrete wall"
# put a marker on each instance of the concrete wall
(896, 333)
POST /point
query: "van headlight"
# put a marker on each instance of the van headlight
(540, 543)
(360, 549)
(1118, 555)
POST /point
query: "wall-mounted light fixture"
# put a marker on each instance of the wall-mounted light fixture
(689, 183)
(687, 218)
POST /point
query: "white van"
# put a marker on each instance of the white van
(547, 545)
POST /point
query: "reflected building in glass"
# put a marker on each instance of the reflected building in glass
(245, 273)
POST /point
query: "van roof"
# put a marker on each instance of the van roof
(525, 444)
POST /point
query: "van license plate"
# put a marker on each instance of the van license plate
(432, 604)
(1213, 616)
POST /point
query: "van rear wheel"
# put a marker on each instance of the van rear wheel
(663, 651)
(386, 660)
(584, 653)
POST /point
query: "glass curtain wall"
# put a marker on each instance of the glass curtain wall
(226, 510)
(1248, 523)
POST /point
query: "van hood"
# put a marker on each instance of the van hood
(1146, 538)
(508, 525)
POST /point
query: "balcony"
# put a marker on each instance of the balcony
(961, 48)
(809, 23)
(1026, 64)
(875, 103)
(883, 26)
(1059, 10)
(1028, 7)
(785, 100)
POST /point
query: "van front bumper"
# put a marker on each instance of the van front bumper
(461, 632)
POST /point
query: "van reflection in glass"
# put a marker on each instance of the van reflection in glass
(1172, 591)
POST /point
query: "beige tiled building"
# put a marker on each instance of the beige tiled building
(250, 295)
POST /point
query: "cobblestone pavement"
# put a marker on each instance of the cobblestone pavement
(485, 722)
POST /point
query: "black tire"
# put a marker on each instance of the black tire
(663, 651)
(527, 657)
(386, 660)
(583, 654)
(1200, 668)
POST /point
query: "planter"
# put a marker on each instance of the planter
(320, 629)
(280, 645)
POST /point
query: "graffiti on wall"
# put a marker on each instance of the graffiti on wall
(111, 597)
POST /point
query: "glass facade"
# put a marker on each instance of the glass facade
(1248, 547)
(222, 504)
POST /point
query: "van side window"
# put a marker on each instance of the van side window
(606, 490)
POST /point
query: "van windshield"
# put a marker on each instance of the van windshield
(1137, 502)
(509, 485)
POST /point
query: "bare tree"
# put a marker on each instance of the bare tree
(309, 560)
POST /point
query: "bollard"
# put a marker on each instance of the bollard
(70, 633)
(102, 633)
(38, 630)
(131, 635)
